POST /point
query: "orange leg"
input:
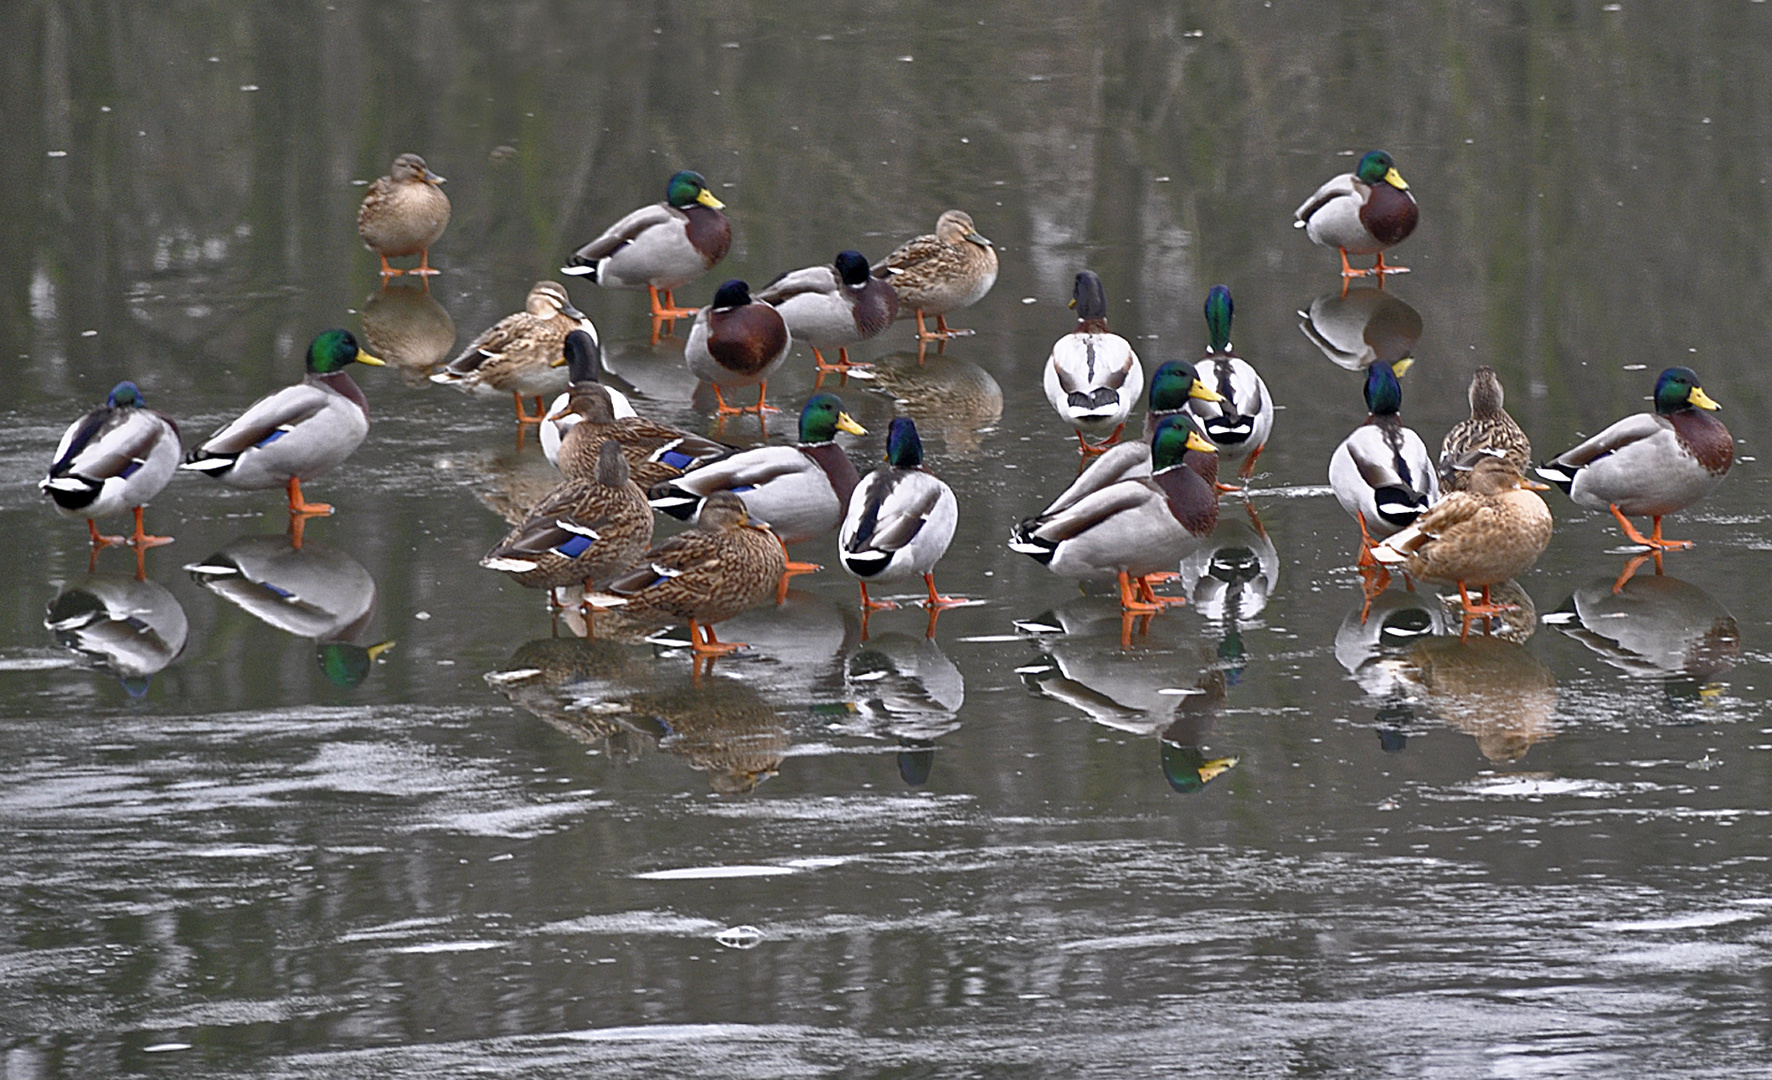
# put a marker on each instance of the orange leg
(1374, 580)
(1349, 271)
(525, 418)
(100, 540)
(936, 601)
(1635, 564)
(1380, 269)
(1485, 606)
(791, 569)
(1366, 558)
(143, 540)
(1149, 595)
(710, 646)
(723, 409)
(298, 525)
(666, 309)
(299, 505)
(842, 363)
(1101, 447)
(761, 406)
(1127, 618)
(1654, 540)
(389, 271)
(870, 604)
(424, 264)
(1248, 468)
(1131, 603)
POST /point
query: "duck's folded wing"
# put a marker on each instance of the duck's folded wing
(266, 420)
(97, 451)
(1334, 188)
(1629, 430)
(1095, 511)
(491, 343)
(746, 469)
(1124, 461)
(812, 279)
(893, 512)
(623, 231)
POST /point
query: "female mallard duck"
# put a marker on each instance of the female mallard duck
(1652, 463)
(115, 458)
(800, 491)
(1093, 378)
(839, 304)
(1134, 526)
(580, 355)
(1494, 529)
(660, 246)
(404, 213)
(727, 563)
(519, 355)
(900, 520)
(581, 532)
(1489, 428)
(297, 433)
(940, 272)
(1243, 417)
(655, 451)
(1173, 384)
(1366, 212)
(1382, 474)
(737, 342)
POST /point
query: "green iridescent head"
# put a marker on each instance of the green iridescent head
(124, 395)
(1174, 437)
(1218, 318)
(335, 350)
(685, 189)
(1188, 769)
(1678, 389)
(1377, 167)
(823, 417)
(1174, 382)
(345, 664)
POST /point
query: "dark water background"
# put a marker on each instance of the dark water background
(1495, 858)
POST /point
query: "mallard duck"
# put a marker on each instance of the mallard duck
(580, 354)
(1489, 428)
(1494, 529)
(660, 246)
(1172, 385)
(839, 305)
(1360, 327)
(899, 521)
(115, 458)
(1655, 627)
(1651, 463)
(1241, 420)
(656, 452)
(130, 627)
(1135, 525)
(1093, 378)
(939, 272)
(737, 342)
(1382, 474)
(581, 532)
(1366, 212)
(404, 213)
(800, 491)
(519, 355)
(297, 433)
(727, 563)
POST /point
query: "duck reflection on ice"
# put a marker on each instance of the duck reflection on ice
(1182, 750)
(723, 727)
(579, 686)
(1655, 627)
(407, 327)
(949, 396)
(1229, 580)
(314, 591)
(1370, 645)
(906, 687)
(1361, 328)
(118, 624)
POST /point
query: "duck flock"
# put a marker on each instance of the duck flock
(1469, 518)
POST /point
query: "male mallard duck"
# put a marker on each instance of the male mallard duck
(660, 246)
(940, 272)
(519, 354)
(1489, 428)
(1172, 385)
(130, 627)
(1135, 525)
(737, 342)
(800, 491)
(1491, 531)
(1382, 474)
(1360, 327)
(404, 213)
(1093, 378)
(900, 520)
(838, 304)
(1364, 212)
(1651, 463)
(655, 451)
(727, 563)
(1243, 417)
(115, 458)
(296, 433)
(580, 354)
(582, 531)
